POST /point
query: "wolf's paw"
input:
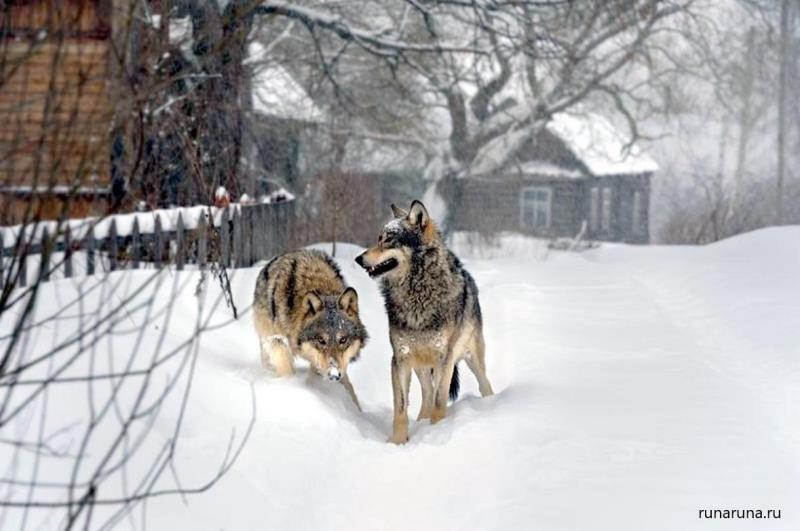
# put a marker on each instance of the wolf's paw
(437, 414)
(398, 438)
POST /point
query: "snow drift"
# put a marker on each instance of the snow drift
(634, 387)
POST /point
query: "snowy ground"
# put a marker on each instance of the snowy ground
(635, 386)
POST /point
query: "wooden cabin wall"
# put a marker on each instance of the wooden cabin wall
(54, 105)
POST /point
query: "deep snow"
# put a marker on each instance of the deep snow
(635, 386)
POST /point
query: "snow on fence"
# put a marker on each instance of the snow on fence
(242, 235)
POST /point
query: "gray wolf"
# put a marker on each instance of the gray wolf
(302, 307)
(434, 314)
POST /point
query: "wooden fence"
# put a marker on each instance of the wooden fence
(241, 236)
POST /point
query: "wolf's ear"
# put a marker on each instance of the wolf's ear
(348, 301)
(398, 212)
(418, 215)
(312, 303)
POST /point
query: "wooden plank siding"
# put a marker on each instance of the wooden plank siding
(55, 109)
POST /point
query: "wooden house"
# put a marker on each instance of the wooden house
(55, 107)
(578, 170)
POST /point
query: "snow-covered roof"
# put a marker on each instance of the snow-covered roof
(276, 93)
(599, 145)
(546, 169)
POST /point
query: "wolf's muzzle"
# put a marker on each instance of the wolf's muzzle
(333, 374)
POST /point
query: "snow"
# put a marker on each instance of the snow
(634, 387)
(602, 148)
(79, 228)
(275, 91)
(546, 169)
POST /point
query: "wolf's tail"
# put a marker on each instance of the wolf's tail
(455, 385)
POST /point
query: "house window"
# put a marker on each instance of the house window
(535, 206)
(637, 218)
(594, 209)
(605, 215)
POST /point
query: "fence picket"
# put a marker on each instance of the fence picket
(263, 235)
(136, 245)
(158, 242)
(202, 242)
(67, 252)
(247, 234)
(113, 247)
(237, 238)
(23, 266)
(179, 256)
(224, 239)
(91, 244)
(272, 245)
(247, 224)
(44, 257)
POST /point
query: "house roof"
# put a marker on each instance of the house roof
(276, 93)
(599, 145)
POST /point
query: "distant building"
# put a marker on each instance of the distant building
(577, 170)
(280, 112)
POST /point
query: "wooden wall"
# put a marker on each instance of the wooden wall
(55, 111)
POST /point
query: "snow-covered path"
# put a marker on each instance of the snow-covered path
(635, 386)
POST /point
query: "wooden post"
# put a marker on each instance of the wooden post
(67, 252)
(158, 242)
(113, 247)
(225, 239)
(179, 243)
(136, 244)
(202, 242)
(91, 244)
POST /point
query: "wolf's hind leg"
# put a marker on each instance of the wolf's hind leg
(476, 361)
(425, 377)
(443, 378)
(276, 355)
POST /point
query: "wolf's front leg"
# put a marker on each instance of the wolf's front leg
(442, 390)
(347, 385)
(401, 380)
(276, 355)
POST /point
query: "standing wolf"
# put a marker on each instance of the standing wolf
(434, 314)
(302, 307)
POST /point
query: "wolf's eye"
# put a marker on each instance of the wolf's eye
(321, 340)
(343, 340)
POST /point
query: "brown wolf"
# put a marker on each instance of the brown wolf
(434, 315)
(301, 307)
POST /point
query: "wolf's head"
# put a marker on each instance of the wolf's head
(411, 231)
(332, 334)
